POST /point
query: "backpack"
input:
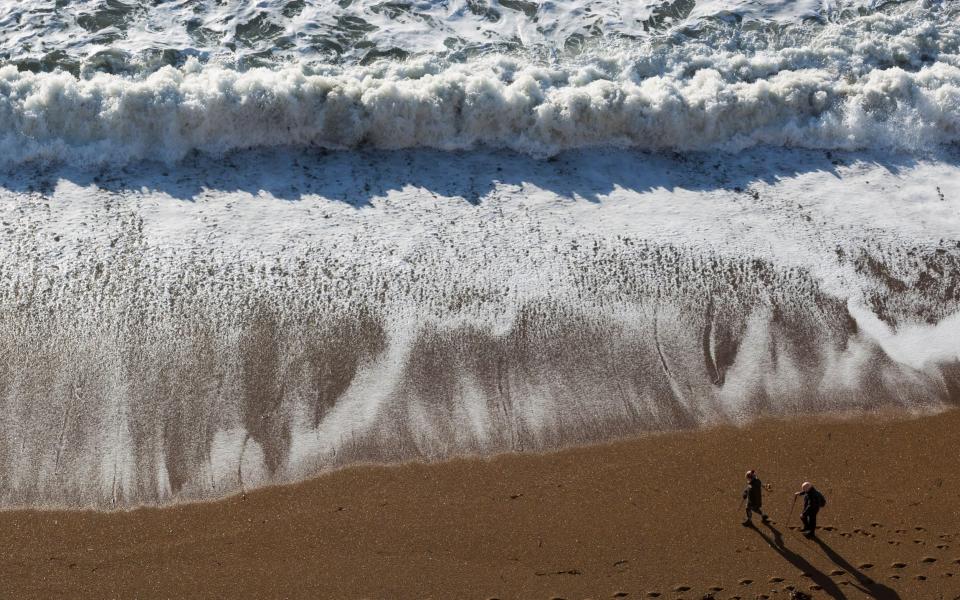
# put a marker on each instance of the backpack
(821, 499)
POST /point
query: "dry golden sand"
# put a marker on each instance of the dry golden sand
(621, 520)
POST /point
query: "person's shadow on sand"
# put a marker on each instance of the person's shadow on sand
(818, 577)
(867, 585)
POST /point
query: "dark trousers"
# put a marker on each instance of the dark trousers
(809, 520)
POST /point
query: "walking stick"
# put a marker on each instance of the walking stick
(790, 514)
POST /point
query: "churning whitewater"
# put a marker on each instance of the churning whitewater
(883, 80)
(244, 244)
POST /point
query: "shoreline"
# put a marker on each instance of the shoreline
(880, 416)
(634, 516)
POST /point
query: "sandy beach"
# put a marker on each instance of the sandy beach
(649, 517)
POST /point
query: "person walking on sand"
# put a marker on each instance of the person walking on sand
(813, 501)
(753, 494)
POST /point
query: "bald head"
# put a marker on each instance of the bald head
(806, 486)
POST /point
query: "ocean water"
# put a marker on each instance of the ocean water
(248, 242)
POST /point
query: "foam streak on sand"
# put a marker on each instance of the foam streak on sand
(182, 334)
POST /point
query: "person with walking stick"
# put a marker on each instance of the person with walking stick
(753, 494)
(813, 501)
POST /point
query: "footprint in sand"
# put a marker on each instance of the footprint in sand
(921, 577)
(716, 588)
(894, 577)
(898, 565)
(816, 587)
(776, 579)
(837, 573)
(928, 559)
(901, 530)
(653, 594)
(875, 524)
(682, 588)
(917, 541)
(745, 581)
(893, 542)
(919, 529)
(942, 546)
(827, 528)
(620, 594)
(865, 565)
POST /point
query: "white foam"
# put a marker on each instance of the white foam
(882, 81)
(212, 29)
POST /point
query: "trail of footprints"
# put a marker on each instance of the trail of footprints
(937, 563)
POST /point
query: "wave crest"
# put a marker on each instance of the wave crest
(881, 81)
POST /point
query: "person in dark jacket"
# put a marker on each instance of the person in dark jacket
(813, 501)
(753, 493)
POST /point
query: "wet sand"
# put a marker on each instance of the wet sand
(656, 515)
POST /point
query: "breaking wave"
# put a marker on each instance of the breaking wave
(881, 81)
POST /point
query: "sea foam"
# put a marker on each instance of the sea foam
(881, 82)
